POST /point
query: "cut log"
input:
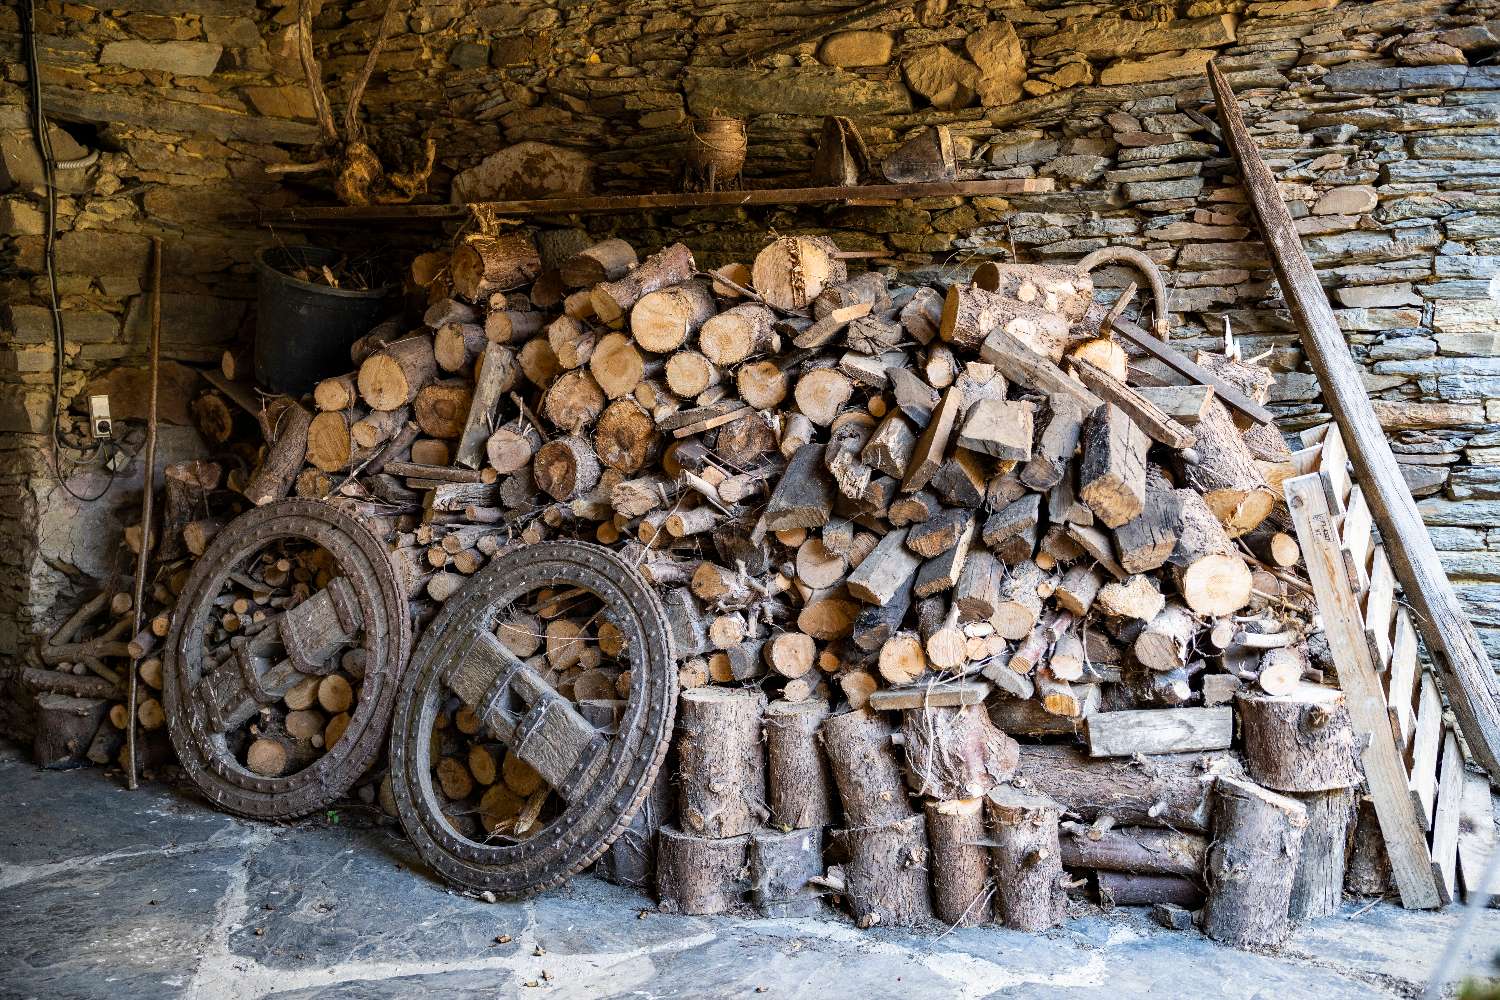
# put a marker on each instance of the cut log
(689, 373)
(804, 496)
(885, 571)
(506, 326)
(1127, 889)
(1226, 474)
(613, 299)
(962, 893)
(971, 314)
(1167, 640)
(1251, 866)
(1055, 446)
(1171, 790)
(1063, 289)
(1027, 859)
(782, 869)
(737, 334)
(1021, 601)
(886, 875)
(903, 660)
(664, 319)
(701, 875)
(391, 377)
(722, 770)
(791, 272)
(1318, 886)
(999, 428)
(483, 265)
(286, 424)
(1163, 730)
(1140, 850)
(858, 748)
(799, 790)
(442, 408)
(1301, 742)
(566, 467)
(607, 260)
(821, 395)
(955, 752)
(625, 437)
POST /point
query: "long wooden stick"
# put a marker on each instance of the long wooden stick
(148, 486)
(1460, 660)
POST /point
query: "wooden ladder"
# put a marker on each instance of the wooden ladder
(1435, 816)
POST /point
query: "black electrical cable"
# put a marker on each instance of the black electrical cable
(49, 254)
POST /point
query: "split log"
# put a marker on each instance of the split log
(1112, 475)
(1300, 742)
(1054, 449)
(886, 875)
(701, 875)
(722, 769)
(613, 299)
(955, 752)
(185, 490)
(962, 892)
(1251, 864)
(797, 778)
(1027, 859)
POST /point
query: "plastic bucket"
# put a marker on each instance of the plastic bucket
(302, 330)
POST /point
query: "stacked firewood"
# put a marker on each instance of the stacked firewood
(913, 541)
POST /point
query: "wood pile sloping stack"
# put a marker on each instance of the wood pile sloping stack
(957, 582)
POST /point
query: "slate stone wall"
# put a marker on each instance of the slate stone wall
(1380, 119)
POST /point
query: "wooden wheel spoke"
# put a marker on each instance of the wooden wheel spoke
(548, 733)
(251, 674)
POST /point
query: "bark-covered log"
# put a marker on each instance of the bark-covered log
(1027, 859)
(799, 788)
(701, 875)
(962, 890)
(720, 761)
(1171, 790)
(1257, 842)
(955, 752)
(886, 877)
(1301, 742)
(782, 866)
(864, 767)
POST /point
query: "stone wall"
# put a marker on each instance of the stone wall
(1379, 117)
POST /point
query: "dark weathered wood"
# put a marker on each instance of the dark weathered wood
(782, 866)
(606, 204)
(1460, 659)
(1194, 373)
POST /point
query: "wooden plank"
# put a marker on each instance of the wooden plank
(1380, 605)
(1445, 824)
(1334, 461)
(1384, 767)
(1401, 682)
(1150, 418)
(1427, 747)
(1457, 654)
(1355, 535)
(939, 694)
(608, 204)
(1476, 835)
(1160, 730)
(1305, 460)
(1193, 372)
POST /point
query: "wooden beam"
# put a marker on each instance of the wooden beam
(1385, 769)
(1457, 654)
(1194, 373)
(606, 204)
(1149, 417)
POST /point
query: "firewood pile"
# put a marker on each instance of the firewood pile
(967, 598)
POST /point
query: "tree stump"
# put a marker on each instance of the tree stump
(961, 888)
(1027, 859)
(701, 875)
(1302, 742)
(797, 778)
(1252, 863)
(858, 745)
(886, 875)
(722, 768)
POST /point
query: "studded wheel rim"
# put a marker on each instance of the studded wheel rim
(372, 595)
(609, 779)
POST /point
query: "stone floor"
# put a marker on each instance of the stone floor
(105, 893)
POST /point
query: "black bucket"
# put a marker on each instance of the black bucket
(302, 330)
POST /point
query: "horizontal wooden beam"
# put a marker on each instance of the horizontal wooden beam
(607, 204)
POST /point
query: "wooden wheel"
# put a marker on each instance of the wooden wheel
(345, 633)
(592, 780)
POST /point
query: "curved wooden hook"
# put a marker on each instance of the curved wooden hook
(1143, 264)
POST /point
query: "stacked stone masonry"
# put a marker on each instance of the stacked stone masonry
(1380, 118)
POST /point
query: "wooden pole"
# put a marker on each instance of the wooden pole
(148, 477)
(1451, 638)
